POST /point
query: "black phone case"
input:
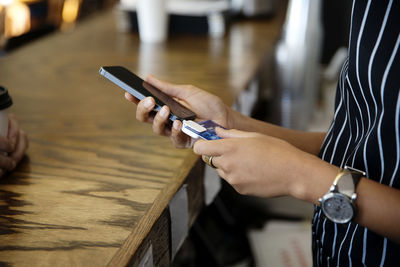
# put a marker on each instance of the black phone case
(141, 89)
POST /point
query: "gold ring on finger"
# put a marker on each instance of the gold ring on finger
(208, 161)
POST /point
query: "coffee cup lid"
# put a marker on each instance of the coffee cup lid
(5, 99)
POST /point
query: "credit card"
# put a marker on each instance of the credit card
(203, 129)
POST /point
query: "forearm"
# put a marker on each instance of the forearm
(309, 142)
(378, 208)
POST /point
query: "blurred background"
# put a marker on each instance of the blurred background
(295, 89)
(313, 33)
(22, 21)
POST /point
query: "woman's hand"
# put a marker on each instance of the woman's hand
(206, 106)
(260, 165)
(13, 147)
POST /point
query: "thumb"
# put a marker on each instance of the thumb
(233, 133)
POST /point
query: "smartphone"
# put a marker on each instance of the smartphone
(203, 129)
(141, 89)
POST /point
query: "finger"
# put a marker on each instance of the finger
(160, 120)
(233, 133)
(7, 163)
(144, 108)
(215, 161)
(6, 145)
(13, 129)
(209, 160)
(210, 148)
(221, 173)
(178, 138)
(174, 90)
(21, 147)
(131, 98)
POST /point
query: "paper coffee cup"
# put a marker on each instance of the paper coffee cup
(153, 20)
(5, 103)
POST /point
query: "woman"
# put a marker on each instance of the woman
(265, 160)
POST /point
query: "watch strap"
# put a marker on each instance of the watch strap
(347, 179)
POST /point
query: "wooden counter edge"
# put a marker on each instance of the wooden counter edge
(126, 254)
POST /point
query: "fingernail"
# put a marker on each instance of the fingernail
(176, 125)
(148, 103)
(163, 111)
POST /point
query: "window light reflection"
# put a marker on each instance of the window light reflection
(17, 19)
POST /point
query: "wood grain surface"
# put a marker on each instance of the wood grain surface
(95, 181)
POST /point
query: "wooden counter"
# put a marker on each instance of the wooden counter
(95, 185)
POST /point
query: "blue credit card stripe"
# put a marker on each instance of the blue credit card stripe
(191, 129)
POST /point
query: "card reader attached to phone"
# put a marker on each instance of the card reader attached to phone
(204, 129)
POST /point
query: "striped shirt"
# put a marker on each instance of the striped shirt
(365, 132)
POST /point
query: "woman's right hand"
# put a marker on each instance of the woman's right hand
(206, 106)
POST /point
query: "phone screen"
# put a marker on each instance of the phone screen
(141, 89)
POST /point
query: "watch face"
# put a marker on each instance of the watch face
(337, 208)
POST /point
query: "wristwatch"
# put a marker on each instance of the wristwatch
(338, 204)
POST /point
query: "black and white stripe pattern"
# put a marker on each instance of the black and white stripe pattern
(365, 132)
